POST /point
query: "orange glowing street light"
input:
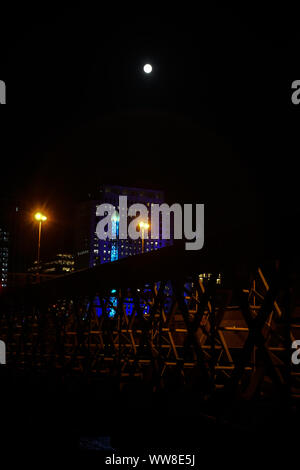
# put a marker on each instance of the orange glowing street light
(40, 218)
(143, 226)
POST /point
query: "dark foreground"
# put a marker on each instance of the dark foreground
(46, 419)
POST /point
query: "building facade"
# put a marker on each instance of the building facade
(63, 263)
(4, 257)
(13, 225)
(90, 250)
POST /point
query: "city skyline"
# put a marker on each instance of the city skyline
(149, 252)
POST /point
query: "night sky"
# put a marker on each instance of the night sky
(213, 123)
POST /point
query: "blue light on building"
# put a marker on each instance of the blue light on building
(114, 255)
(98, 307)
(114, 252)
(90, 251)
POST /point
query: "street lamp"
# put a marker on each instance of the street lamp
(40, 218)
(143, 226)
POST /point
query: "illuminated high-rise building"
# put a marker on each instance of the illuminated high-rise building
(4, 250)
(13, 243)
(90, 250)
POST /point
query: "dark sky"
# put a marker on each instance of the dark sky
(213, 123)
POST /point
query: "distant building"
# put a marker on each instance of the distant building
(13, 221)
(205, 277)
(63, 263)
(89, 250)
(4, 257)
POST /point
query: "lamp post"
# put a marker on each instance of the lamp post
(143, 226)
(40, 218)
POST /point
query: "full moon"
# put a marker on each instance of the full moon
(147, 68)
